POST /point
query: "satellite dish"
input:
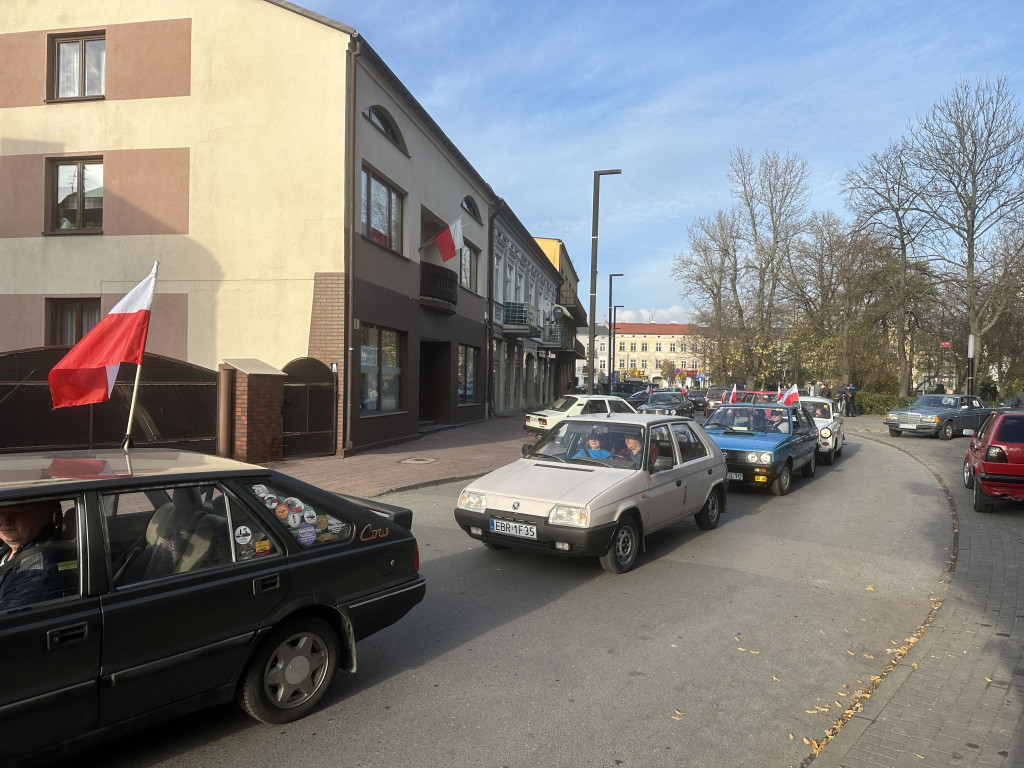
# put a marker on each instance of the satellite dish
(558, 313)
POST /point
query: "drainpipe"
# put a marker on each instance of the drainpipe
(349, 239)
(496, 205)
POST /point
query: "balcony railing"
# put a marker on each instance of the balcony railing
(520, 319)
(553, 335)
(439, 287)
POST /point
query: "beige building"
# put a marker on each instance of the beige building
(290, 187)
(644, 349)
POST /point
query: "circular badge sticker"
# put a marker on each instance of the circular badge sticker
(281, 511)
(260, 490)
(243, 535)
(294, 504)
(306, 535)
(270, 501)
(309, 515)
(294, 520)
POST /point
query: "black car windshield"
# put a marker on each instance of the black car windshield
(590, 442)
(664, 398)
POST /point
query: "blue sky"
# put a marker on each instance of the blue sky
(539, 94)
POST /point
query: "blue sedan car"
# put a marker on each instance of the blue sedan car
(764, 444)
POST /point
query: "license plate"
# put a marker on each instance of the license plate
(735, 476)
(907, 426)
(510, 528)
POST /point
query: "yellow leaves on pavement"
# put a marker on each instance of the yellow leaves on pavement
(870, 589)
(678, 715)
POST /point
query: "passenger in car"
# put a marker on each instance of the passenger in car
(594, 448)
(30, 571)
(634, 450)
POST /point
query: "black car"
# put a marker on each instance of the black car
(699, 398)
(669, 403)
(163, 581)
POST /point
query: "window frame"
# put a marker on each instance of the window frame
(54, 324)
(378, 369)
(395, 203)
(468, 364)
(52, 204)
(53, 68)
(469, 261)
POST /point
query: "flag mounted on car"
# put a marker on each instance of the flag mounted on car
(86, 374)
(791, 396)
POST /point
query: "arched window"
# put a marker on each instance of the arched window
(385, 124)
(469, 206)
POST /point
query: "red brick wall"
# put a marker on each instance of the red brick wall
(259, 421)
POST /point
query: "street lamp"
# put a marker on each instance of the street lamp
(611, 368)
(611, 344)
(593, 275)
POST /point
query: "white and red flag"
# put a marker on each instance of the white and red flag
(449, 240)
(790, 396)
(86, 374)
(732, 397)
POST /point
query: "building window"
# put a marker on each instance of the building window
(384, 123)
(76, 194)
(78, 66)
(632, 346)
(469, 206)
(601, 348)
(643, 364)
(672, 347)
(469, 258)
(68, 320)
(657, 346)
(380, 371)
(468, 359)
(622, 346)
(643, 346)
(381, 213)
(682, 347)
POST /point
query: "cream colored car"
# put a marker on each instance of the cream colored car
(596, 486)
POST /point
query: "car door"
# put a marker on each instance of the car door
(51, 653)
(177, 625)
(697, 465)
(666, 480)
(805, 434)
(978, 412)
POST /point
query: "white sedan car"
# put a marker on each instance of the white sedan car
(828, 418)
(541, 422)
(596, 486)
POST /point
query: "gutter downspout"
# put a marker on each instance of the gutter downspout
(496, 206)
(349, 238)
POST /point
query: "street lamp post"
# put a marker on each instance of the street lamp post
(593, 276)
(611, 359)
(611, 342)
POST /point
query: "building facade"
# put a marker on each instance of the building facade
(650, 351)
(293, 208)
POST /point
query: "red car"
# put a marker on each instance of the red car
(994, 464)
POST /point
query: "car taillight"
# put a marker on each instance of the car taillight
(543, 422)
(415, 556)
(995, 453)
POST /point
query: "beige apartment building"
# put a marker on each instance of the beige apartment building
(643, 349)
(288, 183)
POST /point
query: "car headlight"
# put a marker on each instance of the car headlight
(889, 417)
(473, 501)
(759, 458)
(930, 419)
(826, 432)
(569, 514)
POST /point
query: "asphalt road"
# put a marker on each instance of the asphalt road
(726, 647)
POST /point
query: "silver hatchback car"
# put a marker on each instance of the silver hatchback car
(596, 486)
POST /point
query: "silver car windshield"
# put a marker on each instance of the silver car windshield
(591, 442)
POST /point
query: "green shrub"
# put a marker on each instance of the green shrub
(871, 402)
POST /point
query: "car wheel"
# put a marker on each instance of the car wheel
(622, 552)
(893, 432)
(968, 474)
(946, 431)
(807, 470)
(710, 513)
(780, 487)
(980, 503)
(290, 671)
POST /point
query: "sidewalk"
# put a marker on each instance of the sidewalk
(956, 699)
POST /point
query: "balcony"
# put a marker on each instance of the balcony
(553, 335)
(520, 319)
(439, 288)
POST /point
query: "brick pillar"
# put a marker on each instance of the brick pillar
(259, 417)
(327, 341)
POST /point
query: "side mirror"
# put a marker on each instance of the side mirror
(526, 448)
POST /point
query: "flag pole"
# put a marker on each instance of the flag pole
(131, 410)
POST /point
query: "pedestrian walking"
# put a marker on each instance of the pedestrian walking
(851, 394)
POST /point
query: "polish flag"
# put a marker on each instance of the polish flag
(86, 374)
(449, 240)
(732, 397)
(791, 396)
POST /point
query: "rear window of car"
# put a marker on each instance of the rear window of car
(304, 521)
(563, 403)
(1011, 430)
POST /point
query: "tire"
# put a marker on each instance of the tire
(709, 515)
(946, 431)
(623, 550)
(893, 432)
(968, 474)
(290, 671)
(807, 470)
(980, 505)
(782, 483)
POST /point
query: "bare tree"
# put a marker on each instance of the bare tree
(966, 159)
(881, 195)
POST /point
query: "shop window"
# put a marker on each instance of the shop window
(380, 372)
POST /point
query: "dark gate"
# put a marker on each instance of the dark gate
(176, 406)
(310, 409)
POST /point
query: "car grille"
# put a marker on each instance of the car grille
(910, 418)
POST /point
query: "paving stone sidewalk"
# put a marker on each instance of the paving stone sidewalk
(961, 706)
